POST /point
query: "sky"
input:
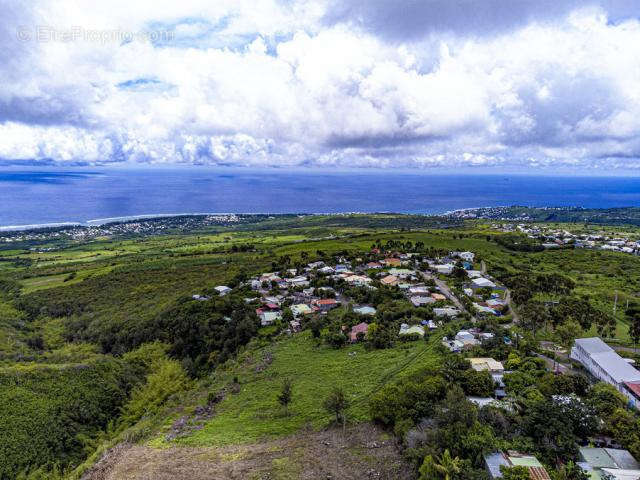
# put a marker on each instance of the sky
(415, 84)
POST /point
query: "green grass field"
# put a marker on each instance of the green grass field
(254, 413)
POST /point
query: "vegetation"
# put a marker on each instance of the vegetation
(102, 341)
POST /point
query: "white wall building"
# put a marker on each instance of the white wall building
(606, 365)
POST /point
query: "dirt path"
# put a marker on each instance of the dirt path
(362, 453)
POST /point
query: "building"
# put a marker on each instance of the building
(609, 463)
(606, 365)
(389, 280)
(358, 280)
(418, 301)
(360, 328)
(446, 312)
(445, 269)
(301, 309)
(466, 256)
(268, 318)
(392, 262)
(496, 460)
(326, 304)
(454, 346)
(408, 330)
(489, 364)
(222, 290)
(438, 297)
(365, 310)
(482, 282)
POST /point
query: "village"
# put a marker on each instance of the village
(561, 238)
(439, 292)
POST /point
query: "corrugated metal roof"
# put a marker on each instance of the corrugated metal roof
(538, 473)
(623, 458)
(593, 345)
(616, 366)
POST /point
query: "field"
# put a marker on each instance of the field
(82, 299)
(253, 413)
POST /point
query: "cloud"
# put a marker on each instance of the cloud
(301, 83)
(418, 18)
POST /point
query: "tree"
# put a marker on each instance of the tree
(571, 471)
(515, 473)
(633, 314)
(285, 395)
(605, 399)
(443, 467)
(566, 332)
(337, 403)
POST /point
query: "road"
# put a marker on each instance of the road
(446, 291)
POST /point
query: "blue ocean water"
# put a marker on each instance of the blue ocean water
(78, 195)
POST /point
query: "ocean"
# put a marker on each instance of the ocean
(43, 196)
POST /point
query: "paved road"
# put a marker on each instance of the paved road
(446, 291)
(551, 364)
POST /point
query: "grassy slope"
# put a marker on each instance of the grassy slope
(254, 414)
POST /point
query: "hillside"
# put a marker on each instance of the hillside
(77, 317)
(247, 432)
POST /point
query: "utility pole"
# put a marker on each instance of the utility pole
(615, 304)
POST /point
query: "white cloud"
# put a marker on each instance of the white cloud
(287, 89)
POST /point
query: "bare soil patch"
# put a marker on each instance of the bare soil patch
(363, 452)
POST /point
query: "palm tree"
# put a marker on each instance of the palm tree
(443, 467)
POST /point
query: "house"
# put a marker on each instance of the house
(326, 270)
(444, 269)
(326, 304)
(496, 460)
(301, 309)
(360, 328)
(401, 272)
(482, 282)
(606, 365)
(419, 301)
(315, 265)
(358, 280)
(389, 280)
(372, 265)
(463, 335)
(222, 290)
(409, 330)
(365, 310)
(454, 346)
(438, 297)
(268, 318)
(418, 290)
(446, 312)
(610, 463)
(489, 364)
(474, 273)
(466, 256)
(201, 298)
(484, 309)
(392, 262)
(467, 339)
(299, 281)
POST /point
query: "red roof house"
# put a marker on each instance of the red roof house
(359, 328)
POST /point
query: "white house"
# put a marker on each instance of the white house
(222, 290)
(466, 256)
(606, 365)
(446, 312)
(268, 318)
(482, 282)
(445, 268)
